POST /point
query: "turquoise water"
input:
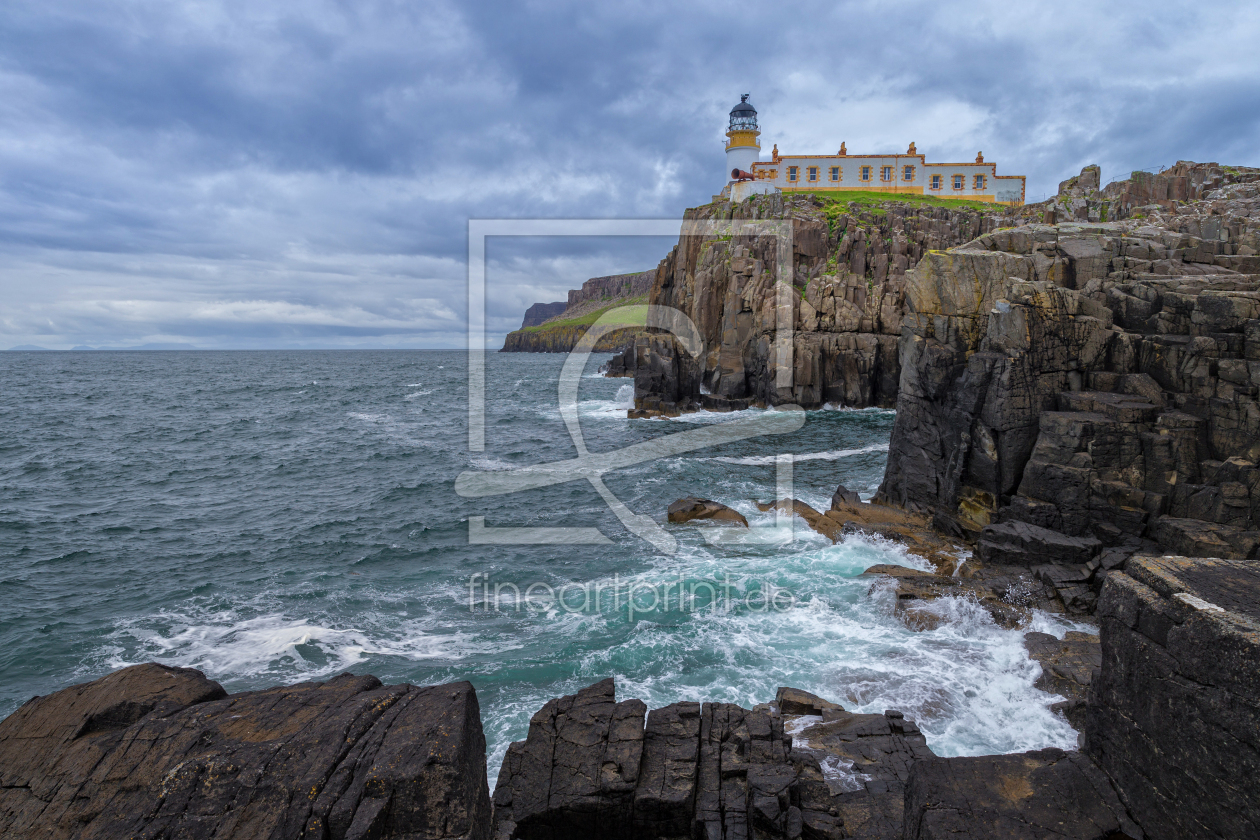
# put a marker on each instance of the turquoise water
(270, 517)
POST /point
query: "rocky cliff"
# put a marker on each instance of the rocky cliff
(561, 338)
(1083, 198)
(612, 287)
(1072, 393)
(1174, 717)
(540, 312)
(849, 263)
(547, 329)
(159, 752)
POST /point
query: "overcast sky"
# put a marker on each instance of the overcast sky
(281, 174)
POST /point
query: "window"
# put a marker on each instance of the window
(959, 180)
(885, 173)
(866, 173)
(793, 171)
(979, 182)
(936, 182)
(907, 173)
(835, 173)
(813, 173)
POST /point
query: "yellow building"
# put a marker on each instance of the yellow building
(908, 173)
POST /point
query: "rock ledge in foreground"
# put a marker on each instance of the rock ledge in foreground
(158, 752)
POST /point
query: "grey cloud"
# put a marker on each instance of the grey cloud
(270, 174)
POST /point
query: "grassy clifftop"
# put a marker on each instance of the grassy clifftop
(562, 333)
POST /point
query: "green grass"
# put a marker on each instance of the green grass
(634, 317)
(874, 200)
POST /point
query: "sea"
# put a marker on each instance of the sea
(273, 517)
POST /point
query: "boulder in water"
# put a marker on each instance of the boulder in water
(844, 496)
(686, 510)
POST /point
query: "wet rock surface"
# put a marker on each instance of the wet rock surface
(910, 530)
(1067, 669)
(692, 508)
(158, 752)
(852, 772)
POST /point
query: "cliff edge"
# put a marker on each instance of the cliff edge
(1074, 393)
(558, 327)
(849, 262)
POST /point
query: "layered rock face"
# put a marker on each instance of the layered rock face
(1172, 730)
(613, 286)
(849, 263)
(1083, 198)
(1173, 717)
(1024, 796)
(1073, 388)
(593, 767)
(158, 752)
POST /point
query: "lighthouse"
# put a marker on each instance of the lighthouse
(742, 148)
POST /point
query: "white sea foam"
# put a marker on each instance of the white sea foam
(614, 409)
(226, 645)
(831, 455)
(870, 409)
(968, 683)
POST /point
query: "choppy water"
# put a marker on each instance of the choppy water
(272, 517)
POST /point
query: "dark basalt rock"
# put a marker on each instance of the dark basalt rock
(1173, 716)
(844, 496)
(692, 508)
(158, 752)
(1067, 669)
(1026, 796)
(853, 771)
(712, 770)
(847, 302)
(575, 774)
(1073, 393)
(1023, 544)
(793, 701)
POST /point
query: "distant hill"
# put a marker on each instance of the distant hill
(150, 346)
(539, 312)
(28, 348)
(557, 327)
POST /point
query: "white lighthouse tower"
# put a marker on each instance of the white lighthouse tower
(742, 148)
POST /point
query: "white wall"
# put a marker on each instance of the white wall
(1005, 189)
